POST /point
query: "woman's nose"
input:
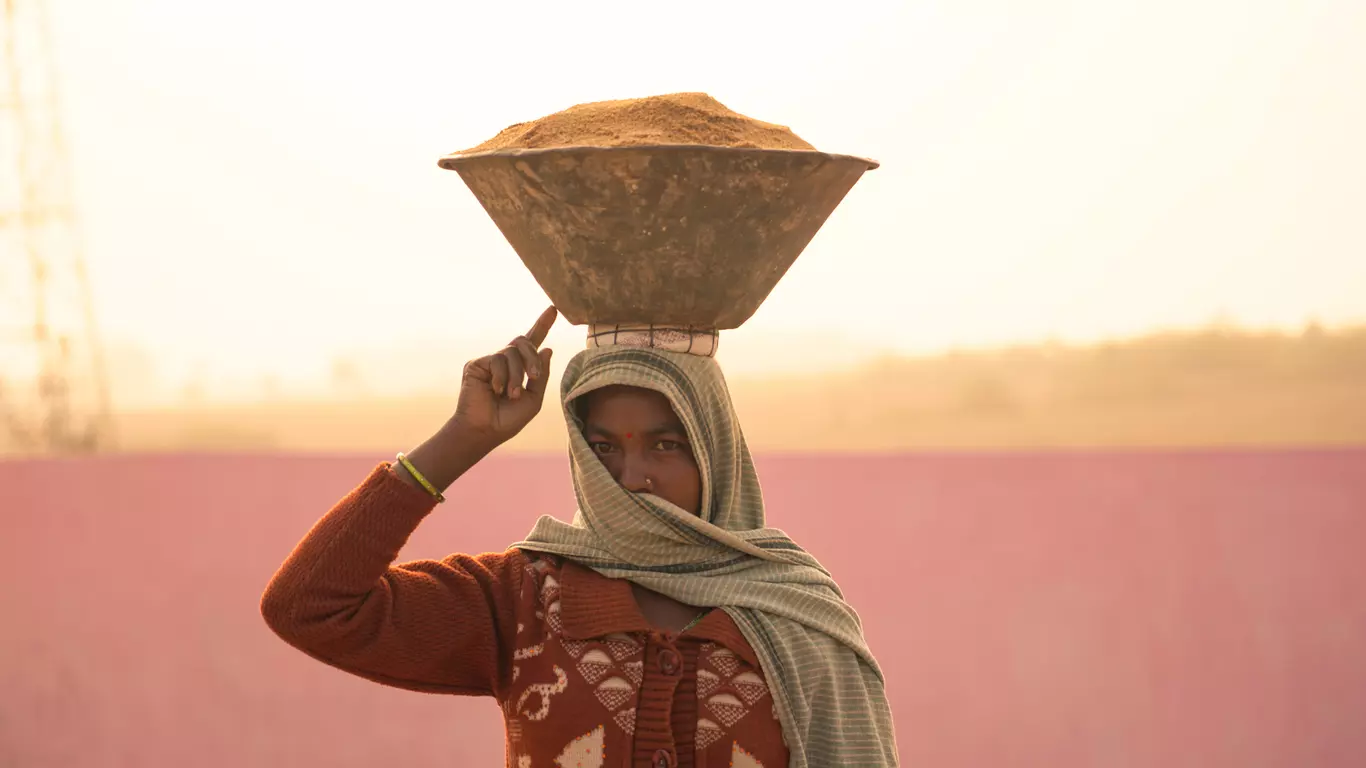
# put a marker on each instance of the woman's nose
(632, 476)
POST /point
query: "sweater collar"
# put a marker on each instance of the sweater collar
(592, 606)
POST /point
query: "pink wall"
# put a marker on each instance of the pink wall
(1142, 609)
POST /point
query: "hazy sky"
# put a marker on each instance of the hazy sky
(259, 186)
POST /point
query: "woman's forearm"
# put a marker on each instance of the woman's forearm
(425, 625)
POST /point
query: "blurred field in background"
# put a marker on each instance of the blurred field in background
(1198, 609)
(1214, 387)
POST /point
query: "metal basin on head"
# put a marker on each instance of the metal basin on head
(680, 235)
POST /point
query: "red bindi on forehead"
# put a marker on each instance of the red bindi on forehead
(628, 435)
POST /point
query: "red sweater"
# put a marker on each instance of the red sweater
(582, 678)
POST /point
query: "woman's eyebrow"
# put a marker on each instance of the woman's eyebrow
(669, 430)
(662, 429)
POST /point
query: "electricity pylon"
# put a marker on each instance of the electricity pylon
(54, 395)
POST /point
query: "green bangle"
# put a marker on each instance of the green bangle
(422, 481)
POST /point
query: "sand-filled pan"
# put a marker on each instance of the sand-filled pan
(671, 234)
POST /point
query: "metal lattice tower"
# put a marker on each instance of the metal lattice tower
(54, 398)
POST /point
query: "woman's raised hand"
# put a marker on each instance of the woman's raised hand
(501, 393)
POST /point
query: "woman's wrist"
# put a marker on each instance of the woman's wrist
(445, 456)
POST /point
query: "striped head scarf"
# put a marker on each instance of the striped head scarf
(827, 686)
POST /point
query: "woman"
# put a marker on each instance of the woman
(599, 638)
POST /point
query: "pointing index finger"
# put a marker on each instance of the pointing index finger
(538, 331)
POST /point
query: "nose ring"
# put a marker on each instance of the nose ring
(649, 483)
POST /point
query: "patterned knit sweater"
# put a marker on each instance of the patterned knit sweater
(582, 677)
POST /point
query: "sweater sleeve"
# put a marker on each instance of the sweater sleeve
(437, 626)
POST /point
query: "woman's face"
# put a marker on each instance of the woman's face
(637, 435)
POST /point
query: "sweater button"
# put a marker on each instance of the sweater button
(668, 662)
(664, 759)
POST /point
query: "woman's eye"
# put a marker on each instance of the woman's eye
(668, 445)
(601, 448)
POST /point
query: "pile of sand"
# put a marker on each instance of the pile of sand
(677, 118)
